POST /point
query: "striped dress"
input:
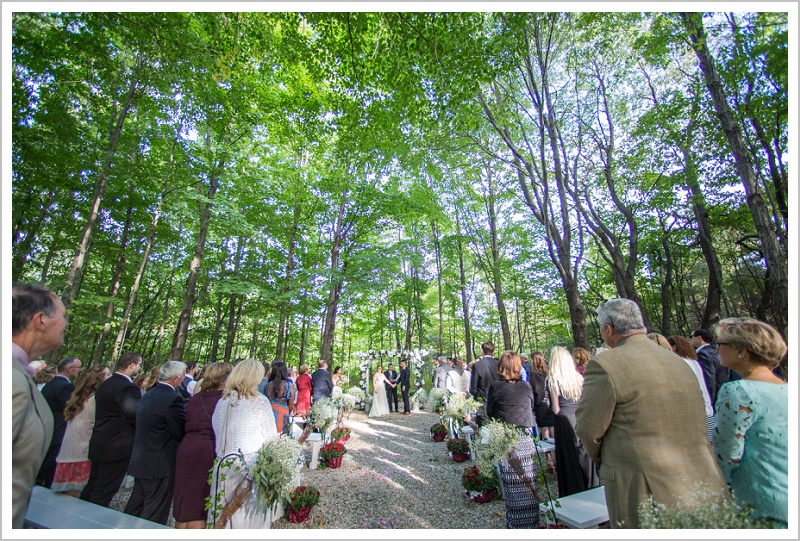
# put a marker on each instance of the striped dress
(522, 509)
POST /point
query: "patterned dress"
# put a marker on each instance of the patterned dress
(522, 509)
(751, 445)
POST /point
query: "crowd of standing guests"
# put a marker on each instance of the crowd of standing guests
(648, 416)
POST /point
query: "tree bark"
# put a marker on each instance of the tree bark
(337, 279)
(774, 257)
(462, 282)
(235, 297)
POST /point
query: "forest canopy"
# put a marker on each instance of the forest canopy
(211, 186)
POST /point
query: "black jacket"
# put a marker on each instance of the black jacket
(323, 384)
(511, 403)
(160, 425)
(116, 401)
(57, 392)
(484, 373)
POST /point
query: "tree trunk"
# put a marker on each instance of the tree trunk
(182, 329)
(231, 331)
(337, 279)
(75, 271)
(22, 246)
(286, 305)
(774, 258)
(437, 248)
(462, 279)
(145, 256)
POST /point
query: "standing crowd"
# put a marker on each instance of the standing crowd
(646, 416)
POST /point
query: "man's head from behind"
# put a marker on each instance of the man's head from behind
(701, 337)
(487, 348)
(129, 363)
(619, 318)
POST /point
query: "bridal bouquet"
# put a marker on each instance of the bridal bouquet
(276, 471)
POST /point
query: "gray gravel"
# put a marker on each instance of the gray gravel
(394, 476)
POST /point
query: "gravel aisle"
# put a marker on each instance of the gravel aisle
(394, 476)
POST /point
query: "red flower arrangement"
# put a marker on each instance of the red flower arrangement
(303, 498)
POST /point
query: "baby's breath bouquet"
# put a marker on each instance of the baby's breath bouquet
(276, 471)
(435, 401)
(346, 401)
(459, 406)
(322, 414)
(356, 392)
(700, 509)
(420, 396)
(493, 446)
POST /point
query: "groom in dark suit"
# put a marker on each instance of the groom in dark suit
(405, 385)
(160, 420)
(391, 386)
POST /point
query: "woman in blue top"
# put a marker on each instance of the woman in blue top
(751, 437)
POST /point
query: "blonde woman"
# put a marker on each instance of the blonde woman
(576, 471)
(243, 422)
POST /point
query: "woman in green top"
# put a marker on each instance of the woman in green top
(751, 437)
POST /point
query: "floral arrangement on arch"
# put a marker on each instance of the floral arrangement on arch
(303, 496)
(322, 414)
(276, 471)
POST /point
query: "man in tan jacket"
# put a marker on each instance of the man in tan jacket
(641, 417)
(38, 320)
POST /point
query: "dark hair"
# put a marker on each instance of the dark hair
(509, 367)
(279, 371)
(487, 348)
(682, 347)
(337, 369)
(190, 365)
(704, 334)
(28, 300)
(85, 387)
(128, 358)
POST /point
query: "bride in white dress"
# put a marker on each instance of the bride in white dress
(380, 402)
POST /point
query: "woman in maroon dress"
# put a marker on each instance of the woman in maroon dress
(197, 451)
(304, 388)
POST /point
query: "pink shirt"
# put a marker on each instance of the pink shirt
(19, 353)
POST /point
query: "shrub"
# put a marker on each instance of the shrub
(438, 428)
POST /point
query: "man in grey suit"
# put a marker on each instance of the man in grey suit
(38, 321)
(641, 418)
(440, 373)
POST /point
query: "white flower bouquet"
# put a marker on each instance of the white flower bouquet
(322, 414)
(497, 439)
(276, 471)
(435, 400)
(357, 393)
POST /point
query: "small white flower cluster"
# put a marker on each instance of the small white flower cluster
(276, 471)
(459, 406)
(435, 399)
(491, 448)
(356, 392)
(346, 401)
(420, 396)
(323, 413)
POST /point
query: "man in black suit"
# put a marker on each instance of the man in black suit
(391, 386)
(484, 373)
(187, 386)
(110, 447)
(713, 372)
(160, 420)
(322, 382)
(57, 393)
(405, 386)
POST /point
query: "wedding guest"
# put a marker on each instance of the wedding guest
(576, 472)
(57, 393)
(263, 384)
(440, 373)
(304, 389)
(337, 376)
(714, 374)
(661, 340)
(45, 376)
(160, 426)
(38, 366)
(544, 415)
(751, 436)
(458, 378)
(510, 400)
(683, 348)
(38, 321)
(116, 402)
(581, 357)
(197, 450)
(243, 422)
(626, 422)
(72, 463)
(282, 393)
(323, 384)
(484, 373)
